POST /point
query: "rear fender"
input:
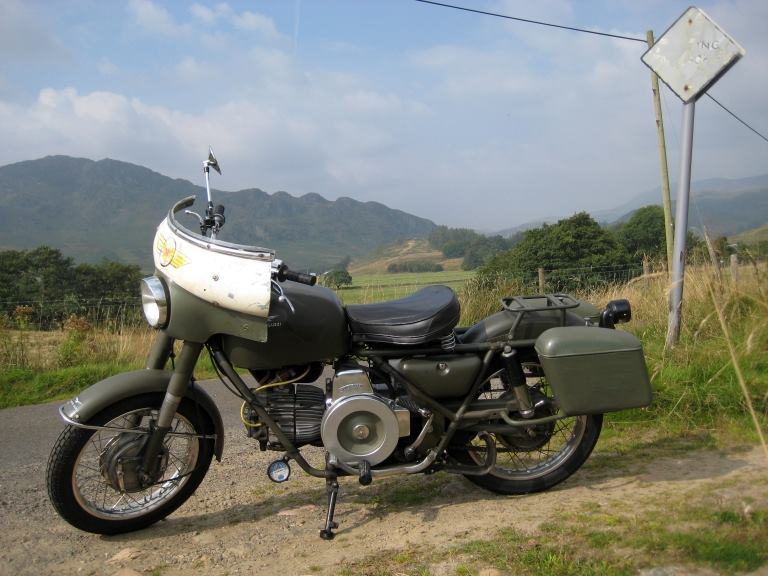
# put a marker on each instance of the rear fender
(106, 392)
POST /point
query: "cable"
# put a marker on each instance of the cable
(574, 29)
(734, 115)
(250, 424)
(497, 15)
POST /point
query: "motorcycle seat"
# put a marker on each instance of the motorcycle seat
(424, 316)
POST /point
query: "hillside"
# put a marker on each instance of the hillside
(110, 209)
(725, 206)
(407, 251)
(751, 237)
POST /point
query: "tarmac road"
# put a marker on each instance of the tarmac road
(27, 433)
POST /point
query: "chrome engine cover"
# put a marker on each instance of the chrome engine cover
(358, 425)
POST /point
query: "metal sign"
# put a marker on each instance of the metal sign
(692, 55)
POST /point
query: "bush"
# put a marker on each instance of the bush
(414, 266)
(336, 279)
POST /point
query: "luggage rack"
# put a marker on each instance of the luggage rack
(524, 305)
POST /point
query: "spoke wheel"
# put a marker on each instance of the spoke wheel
(94, 478)
(532, 458)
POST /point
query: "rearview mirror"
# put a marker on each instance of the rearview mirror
(212, 162)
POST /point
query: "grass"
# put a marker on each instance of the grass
(37, 367)
(24, 386)
(379, 287)
(695, 386)
(698, 403)
(606, 540)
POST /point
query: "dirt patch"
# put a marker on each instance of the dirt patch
(241, 523)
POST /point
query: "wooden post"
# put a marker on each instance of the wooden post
(646, 267)
(541, 281)
(735, 268)
(669, 226)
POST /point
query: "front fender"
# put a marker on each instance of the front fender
(106, 392)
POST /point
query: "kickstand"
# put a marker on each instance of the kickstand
(332, 487)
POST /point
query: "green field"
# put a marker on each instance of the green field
(379, 287)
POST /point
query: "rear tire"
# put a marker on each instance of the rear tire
(530, 458)
(85, 465)
(523, 472)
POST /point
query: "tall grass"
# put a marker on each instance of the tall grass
(695, 385)
(695, 382)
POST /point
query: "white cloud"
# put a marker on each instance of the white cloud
(471, 133)
(107, 67)
(190, 69)
(255, 22)
(203, 13)
(210, 16)
(155, 18)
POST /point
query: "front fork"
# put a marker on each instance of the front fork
(161, 351)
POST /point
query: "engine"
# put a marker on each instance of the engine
(351, 420)
(360, 425)
(298, 410)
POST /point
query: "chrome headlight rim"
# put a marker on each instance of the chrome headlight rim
(154, 301)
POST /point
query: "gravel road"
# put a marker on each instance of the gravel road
(239, 522)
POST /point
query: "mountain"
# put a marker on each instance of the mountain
(725, 206)
(109, 209)
(751, 237)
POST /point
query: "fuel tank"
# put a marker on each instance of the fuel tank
(316, 329)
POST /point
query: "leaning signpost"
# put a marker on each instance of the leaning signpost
(689, 58)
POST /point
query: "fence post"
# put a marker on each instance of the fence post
(735, 268)
(646, 267)
(541, 280)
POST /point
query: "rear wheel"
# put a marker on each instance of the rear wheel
(532, 458)
(93, 476)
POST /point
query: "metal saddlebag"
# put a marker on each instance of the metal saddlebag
(594, 370)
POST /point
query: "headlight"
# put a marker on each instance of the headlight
(154, 301)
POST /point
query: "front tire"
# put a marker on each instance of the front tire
(92, 476)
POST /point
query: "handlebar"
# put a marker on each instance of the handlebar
(284, 273)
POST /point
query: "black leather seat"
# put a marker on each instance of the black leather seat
(427, 315)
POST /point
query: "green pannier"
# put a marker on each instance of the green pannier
(594, 370)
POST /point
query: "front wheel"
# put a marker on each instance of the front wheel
(93, 476)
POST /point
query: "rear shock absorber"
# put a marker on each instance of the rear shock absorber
(516, 377)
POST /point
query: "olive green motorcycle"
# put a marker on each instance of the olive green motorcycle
(514, 403)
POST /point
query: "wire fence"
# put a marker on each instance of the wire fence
(113, 314)
(116, 314)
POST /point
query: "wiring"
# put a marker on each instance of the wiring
(583, 31)
(734, 115)
(528, 21)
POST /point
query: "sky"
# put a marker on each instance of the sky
(468, 120)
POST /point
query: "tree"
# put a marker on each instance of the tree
(577, 248)
(337, 278)
(643, 235)
(414, 266)
(107, 279)
(482, 249)
(50, 283)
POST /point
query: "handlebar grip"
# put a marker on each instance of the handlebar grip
(285, 273)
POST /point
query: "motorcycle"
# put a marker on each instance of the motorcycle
(514, 403)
